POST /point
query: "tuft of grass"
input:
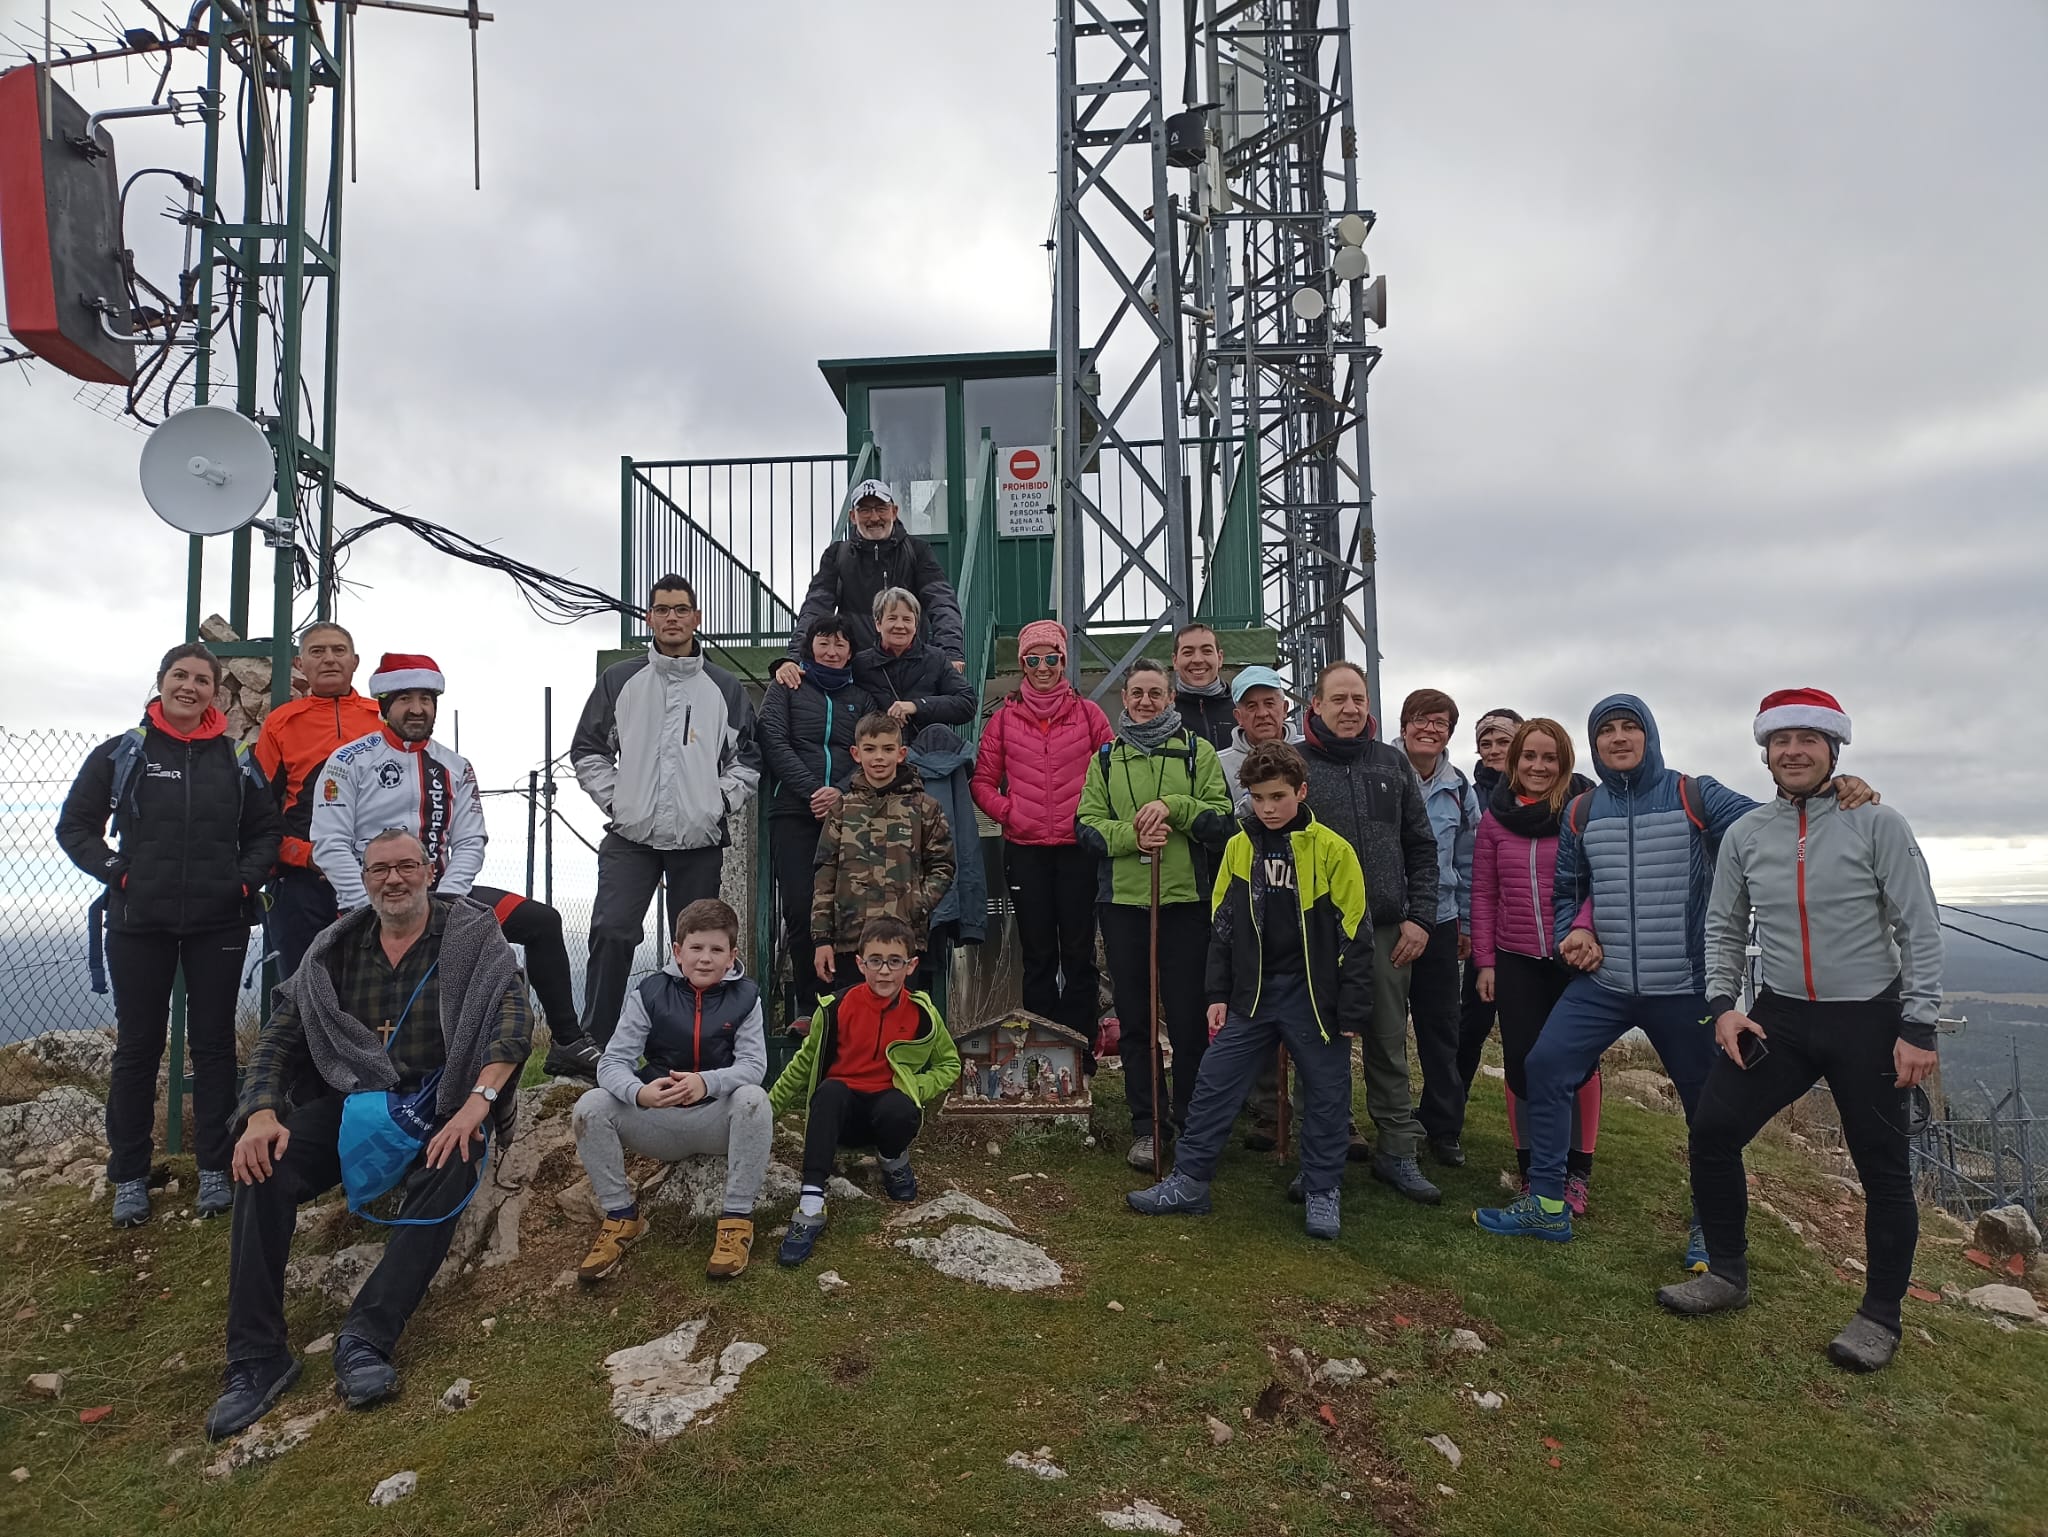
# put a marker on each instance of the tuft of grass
(891, 1407)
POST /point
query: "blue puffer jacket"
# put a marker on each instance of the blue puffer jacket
(1647, 868)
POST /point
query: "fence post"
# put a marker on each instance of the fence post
(547, 734)
(532, 815)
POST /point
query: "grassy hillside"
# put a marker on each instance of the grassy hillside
(890, 1408)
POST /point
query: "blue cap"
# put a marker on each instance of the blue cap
(1249, 678)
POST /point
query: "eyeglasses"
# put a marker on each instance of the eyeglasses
(670, 610)
(885, 963)
(1036, 662)
(405, 867)
(1435, 725)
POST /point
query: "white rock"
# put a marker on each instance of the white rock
(487, 1326)
(395, 1488)
(697, 1186)
(88, 1052)
(1851, 1262)
(2012, 1301)
(1343, 1373)
(659, 1387)
(1488, 1401)
(460, 1395)
(1448, 1447)
(578, 1200)
(1000, 1260)
(1038, 1464)
(954, 1203)
(48, 1121)
(1220, 1434)
(832, 1281)
(1466, 1341)
(320, 1345)
(1491, 1071)
(310, 1217)
(1139, 1516)
(1115, 1306)
(261, 1442)
(339, 1276)
(173, 1363)
(46, 1385)
(2008, 1230)
(19, 1475)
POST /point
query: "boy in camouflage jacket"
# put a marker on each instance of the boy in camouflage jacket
(885, 851)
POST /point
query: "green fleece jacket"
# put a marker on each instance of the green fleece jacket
(925, 1066)
(1184, 773)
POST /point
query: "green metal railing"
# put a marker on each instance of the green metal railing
(976, 589)
(1234, 597)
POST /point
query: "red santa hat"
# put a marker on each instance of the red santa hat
(1802, 708)
(401, 670)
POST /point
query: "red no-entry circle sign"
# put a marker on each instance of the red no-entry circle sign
(1023, 464)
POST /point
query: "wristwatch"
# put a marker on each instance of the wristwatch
(490, 1095)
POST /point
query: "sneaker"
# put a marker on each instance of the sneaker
(1323, 1218)
(216, 1193)
(801, 1238)
(735, 1246)
(1140, 1155)
(363, 1374)
(899, 1183)
(1448, 1151)
(575, 1057)
(608, 1249)
(1174, 1195)
(1405, 1175)
(1526, 1218)
(1696, 1250)
(1578, 1193)
(131, 1203)
(1864, 1346)
(249, 1389)
(1702, 1295)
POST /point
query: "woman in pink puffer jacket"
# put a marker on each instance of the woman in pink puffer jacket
(1514, 865)
(1027, 778)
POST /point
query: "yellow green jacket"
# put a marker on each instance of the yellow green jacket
(925, 1066)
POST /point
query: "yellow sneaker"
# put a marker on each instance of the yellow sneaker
(608, 1249)
(734, 1248)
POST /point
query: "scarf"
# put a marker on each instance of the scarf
(1345, 749)
(1535, 820)
(1206, 691)
(1484, 780)
(1044, 704)
(211, 724)
(830, 679)
(1149, 737)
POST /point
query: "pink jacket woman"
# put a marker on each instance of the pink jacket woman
(1512, 875)
(1032, 759)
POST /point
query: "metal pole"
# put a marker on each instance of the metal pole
(532, 819)
(547, 734)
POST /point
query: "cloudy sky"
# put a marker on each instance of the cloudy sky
(1719, 358)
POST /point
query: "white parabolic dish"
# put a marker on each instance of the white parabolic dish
(208, 470)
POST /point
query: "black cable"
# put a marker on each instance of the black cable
(2010, 923)
(1999, 943)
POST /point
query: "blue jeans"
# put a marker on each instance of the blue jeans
(1587, 1020)
(1233, 1061)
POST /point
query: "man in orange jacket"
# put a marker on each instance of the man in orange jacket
(297, 738)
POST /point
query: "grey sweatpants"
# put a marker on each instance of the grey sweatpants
(737, 1126)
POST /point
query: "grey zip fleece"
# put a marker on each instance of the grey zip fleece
(1843, 907)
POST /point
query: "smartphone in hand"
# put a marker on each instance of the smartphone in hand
(1754, 1049)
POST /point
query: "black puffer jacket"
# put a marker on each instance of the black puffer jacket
(198, 833)
(1367, 791)
(943, 696)
(853, 570)
(1208, 715)
(806, 735)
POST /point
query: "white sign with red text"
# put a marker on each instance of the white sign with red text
(1024, 492)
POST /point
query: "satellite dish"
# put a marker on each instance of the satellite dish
(1349, 263)
(208, 470)
(1308, 303)
(1374, 307)
(1352, 230)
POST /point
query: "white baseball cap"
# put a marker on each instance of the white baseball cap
(876, 490)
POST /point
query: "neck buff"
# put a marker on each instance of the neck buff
(1044, 704)
(830, 679)
(1149, 736)
(1204, 691)
(1318, 734)
(211, 724)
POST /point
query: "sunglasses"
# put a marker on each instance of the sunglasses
(1036, 662)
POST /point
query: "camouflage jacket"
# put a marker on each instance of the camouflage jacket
(885, 852)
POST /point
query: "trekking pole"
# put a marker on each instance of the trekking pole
(1152, 1026)
(1280, 1104)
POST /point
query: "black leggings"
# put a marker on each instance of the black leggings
(538, 928)
(1850, 1045)
(844, 1117)
(1525, 990)
(1052, 894)
(143, 968)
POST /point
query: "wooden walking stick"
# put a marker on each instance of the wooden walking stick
(1152, 1025)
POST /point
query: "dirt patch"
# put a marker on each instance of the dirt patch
(850, 1368)
(1399, 1311)
(1351, 1432)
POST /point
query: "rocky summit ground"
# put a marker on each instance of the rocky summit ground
(1023, 1355)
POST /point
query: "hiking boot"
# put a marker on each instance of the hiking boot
(216, 1193)
(1357, 1149)
(1405, 1175)
(1323, 1219)
(363, 1374)
(1140, 1155)
(1526, 1218)
(1864, 1346)
(1176, 1195)
(1696, 1250)
(1448, 1151)
(801, 1238)
(249, 1389)
(608, 1249)
(1578, 1193)
(131, 1203)
(899, 1181)
(575, 1057)
(735, 1246)
(1704, 1294)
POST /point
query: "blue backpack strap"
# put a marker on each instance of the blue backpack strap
(127, 755)
(1689, 798)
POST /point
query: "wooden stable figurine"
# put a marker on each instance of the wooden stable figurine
(1021, 1066)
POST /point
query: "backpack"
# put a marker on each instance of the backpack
(1688, 797)
(127, 757)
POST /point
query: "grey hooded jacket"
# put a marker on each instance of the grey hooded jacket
(1843, 904)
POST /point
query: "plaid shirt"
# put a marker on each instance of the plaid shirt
(376, 992)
